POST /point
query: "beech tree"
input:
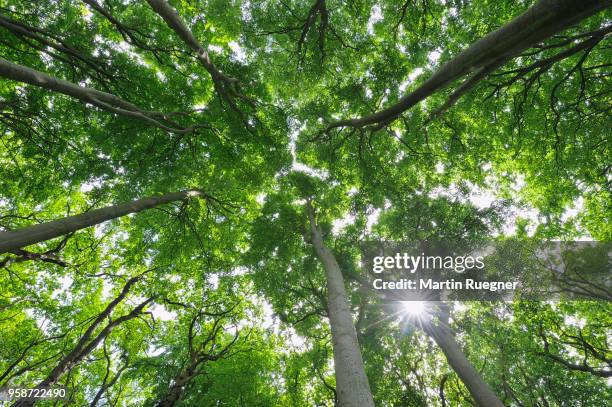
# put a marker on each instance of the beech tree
(186, 189)
(16, 239)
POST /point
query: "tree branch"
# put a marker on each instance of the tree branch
(539, 22)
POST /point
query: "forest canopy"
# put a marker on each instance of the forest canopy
(186, 187)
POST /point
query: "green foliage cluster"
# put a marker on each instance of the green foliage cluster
(234, 284)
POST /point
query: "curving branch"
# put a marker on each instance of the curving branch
(8, 373)
(423, 14)
(15, 239)
(318, 10)
(202, 348)
(541, 66)
(589, 352)
(539, 22)
(25, 255)
(441, 390)
(102, 100)
(56, 47)
(88, 341)
(227, 86)
(136, 37)
(107, 381)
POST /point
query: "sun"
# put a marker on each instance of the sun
(414, 308)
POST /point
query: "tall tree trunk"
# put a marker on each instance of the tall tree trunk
(539, 22)
(352, 385)
(478, 388)
(16, 239)
(444, 338)
(176, 390)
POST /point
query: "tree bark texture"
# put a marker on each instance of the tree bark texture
(352, 385)
(539, 22)
(478, 388)
(16, 239)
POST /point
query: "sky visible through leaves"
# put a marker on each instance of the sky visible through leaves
(239, 153)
